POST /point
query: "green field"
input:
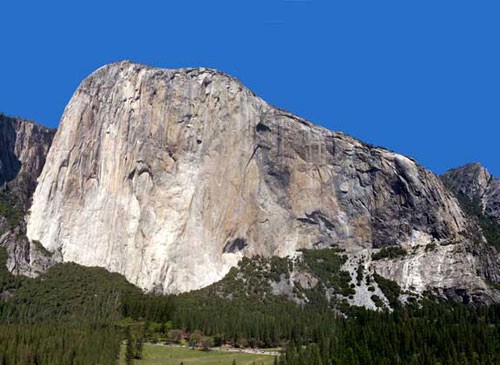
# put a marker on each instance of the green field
(164, 355)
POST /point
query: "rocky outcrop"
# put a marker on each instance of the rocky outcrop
(25, 257)
(474, 182)
(24, 148)
(479, 193)
(22, 156)
(171, 176)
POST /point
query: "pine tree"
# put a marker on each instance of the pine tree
(314, 355)
(139, 345)
(129, 350)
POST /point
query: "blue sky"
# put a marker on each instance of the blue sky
(419, 77)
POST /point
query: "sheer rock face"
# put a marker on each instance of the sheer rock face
(23, 148)
(493, 199)
(478, 185)
(170, 176)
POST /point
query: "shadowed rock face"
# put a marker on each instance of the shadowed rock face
(170, 176)
(23, 148)
(480, 191)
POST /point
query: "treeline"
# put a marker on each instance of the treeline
(424, 333)
(443, 333)
(427, 332)
(328, 333)
(78, 315)
(249, 323)
(66, 316)
(53, 343)
(68, 292)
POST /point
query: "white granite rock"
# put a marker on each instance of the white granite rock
(171, 176)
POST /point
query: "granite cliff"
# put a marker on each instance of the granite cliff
(479, 194)
(24, 147)
(475, 183)
(171, 176)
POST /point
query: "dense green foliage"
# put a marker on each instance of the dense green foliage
(326, 265)
(64, 317)
(50, 342)
(252, 278)
(420, 333)
(435, 333)
(390, 289)
(70, 292)
(390, 252)
(10, 210)
(77, 315)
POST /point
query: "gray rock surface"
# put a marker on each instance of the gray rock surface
(480, 192)
(476, 183)
(492, 199)
(171, 176)
(24, 147)
(26, 257)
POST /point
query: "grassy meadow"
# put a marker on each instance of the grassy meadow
(165, 355)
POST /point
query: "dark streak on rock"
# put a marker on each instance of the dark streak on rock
(235, 245)
(261, 127)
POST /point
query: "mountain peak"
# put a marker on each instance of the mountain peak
(471, 180)
(474, 182)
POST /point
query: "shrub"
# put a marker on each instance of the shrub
(378, 302)
(389, 252)
(390, 288)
